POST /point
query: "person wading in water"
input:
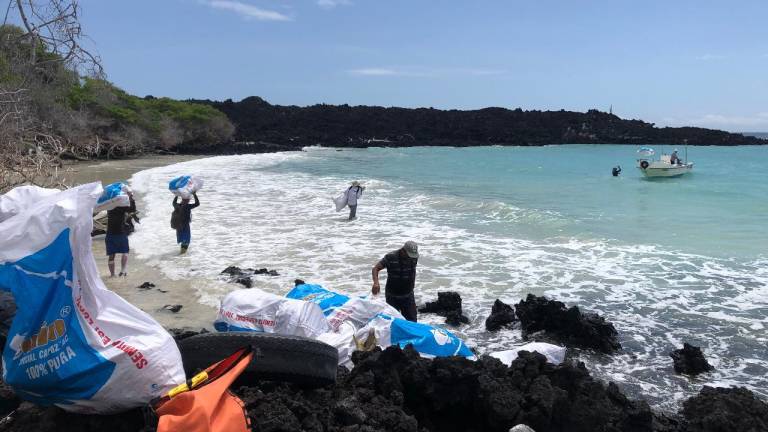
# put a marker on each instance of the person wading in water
(401, 278)
(180, 219)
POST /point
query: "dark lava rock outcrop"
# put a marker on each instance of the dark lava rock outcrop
(690, 360)
(243, 276)
(566, 325)
(448, 304)
(502, 315)
(725, 409)
(397, 390)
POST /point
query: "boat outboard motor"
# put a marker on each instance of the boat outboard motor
(616, 171)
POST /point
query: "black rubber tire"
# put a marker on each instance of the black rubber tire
(295, 359)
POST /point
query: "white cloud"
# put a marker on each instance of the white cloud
(248, 11)
(330, 4)
(756, 122)
(710, 57)
(374, 72)
(422, 72)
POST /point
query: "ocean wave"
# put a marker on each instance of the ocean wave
(255, 214)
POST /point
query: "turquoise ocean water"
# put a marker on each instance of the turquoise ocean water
(668, 261)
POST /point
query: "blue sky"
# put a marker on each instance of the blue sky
(671, 62)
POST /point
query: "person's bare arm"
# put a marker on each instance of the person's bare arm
(375, 275)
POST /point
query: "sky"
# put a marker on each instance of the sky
(669, 62)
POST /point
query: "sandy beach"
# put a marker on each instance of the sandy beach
(166, 291)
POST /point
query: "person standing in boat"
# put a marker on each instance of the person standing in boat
(180, 219)
(354, 192)
(674, 159)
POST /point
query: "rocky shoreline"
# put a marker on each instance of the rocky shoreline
(397, 390)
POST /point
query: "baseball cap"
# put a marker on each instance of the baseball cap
(411, 248)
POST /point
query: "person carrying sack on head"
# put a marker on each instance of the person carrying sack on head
(401, 278)
(353, 194)
(180, 219)
(116, 240)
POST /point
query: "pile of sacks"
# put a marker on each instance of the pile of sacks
(349, 323)
(345, 322)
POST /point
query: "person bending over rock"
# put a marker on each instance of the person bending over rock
(401, 278)
(180, 219)
(116, 239)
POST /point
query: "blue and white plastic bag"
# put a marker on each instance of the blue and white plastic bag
(340, 308)
(259, 311)
(73, 343)
(430, 341)
(184, 186)
(114, 195)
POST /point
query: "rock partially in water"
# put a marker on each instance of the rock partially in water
(244, 276)
(690, 360)
(455, 318)
(568, 326)
(725, 409)
(502, 315)
(448, 304)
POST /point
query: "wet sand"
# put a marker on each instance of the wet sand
(167, 291)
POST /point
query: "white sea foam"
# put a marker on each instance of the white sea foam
(256, 214)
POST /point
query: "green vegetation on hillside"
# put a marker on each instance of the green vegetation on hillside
(89, 117)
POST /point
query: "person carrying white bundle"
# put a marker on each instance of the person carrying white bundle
(353, 193)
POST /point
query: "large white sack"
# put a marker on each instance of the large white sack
(255, 310)
(114, 195)
(184, 186)
(554, 354)
(340, 201)
(343, 340)
(339, 308)
(73, 343)
(18, 199)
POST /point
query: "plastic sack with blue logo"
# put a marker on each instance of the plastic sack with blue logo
(184, 186)
(73, 343)
(340, 308)
(429, 341)
(259, 311)
(114, 195)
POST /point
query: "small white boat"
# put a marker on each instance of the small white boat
(662, 167)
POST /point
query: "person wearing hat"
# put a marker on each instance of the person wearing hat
(401, 278)
(353, 193)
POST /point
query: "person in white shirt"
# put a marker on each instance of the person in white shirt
(353, 194)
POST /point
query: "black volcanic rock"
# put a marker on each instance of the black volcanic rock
(448, 304)
(502, 315)
(566, 325)
(690, 360)
(185, 332)
(725, 409)
(243, 276)
(262, 127)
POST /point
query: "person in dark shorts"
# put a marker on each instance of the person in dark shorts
(182, 216)
(401, 278)
(116, 239)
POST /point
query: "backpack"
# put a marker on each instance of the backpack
(176, 219)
